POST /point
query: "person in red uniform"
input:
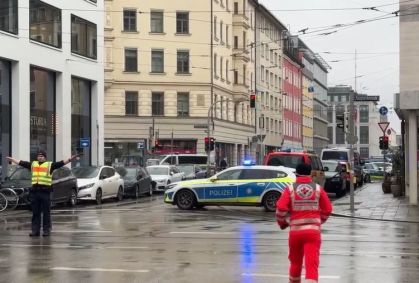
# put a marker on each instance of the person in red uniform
(303, 206)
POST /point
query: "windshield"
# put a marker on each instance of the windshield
(335, 155)
(187, 169)
(332, 165)
(158, 170)
(85, 172)
(285, 160)
(127, 173)
(20, 173)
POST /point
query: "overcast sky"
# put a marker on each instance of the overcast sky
(378, 68)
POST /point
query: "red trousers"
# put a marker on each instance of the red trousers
(304, 244)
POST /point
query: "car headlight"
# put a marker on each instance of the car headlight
(87, 186)
(162, 181)
(171, 186)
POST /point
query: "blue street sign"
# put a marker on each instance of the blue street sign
(383, 110)
(85, 142)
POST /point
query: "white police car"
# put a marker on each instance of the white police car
(240, 185)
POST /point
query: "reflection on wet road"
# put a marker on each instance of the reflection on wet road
(148, 241)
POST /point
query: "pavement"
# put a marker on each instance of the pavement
(372, 203)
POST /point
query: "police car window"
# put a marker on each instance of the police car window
(275, 174)
(248, 174)
(229, 175)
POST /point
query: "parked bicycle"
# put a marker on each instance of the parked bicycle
(8, 199)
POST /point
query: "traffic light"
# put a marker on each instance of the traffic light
(252, 100)
(157, 143)
(209, 144)
(383, 142)
(340, 121)
(346, 122)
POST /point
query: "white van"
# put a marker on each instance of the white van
(176, 159)
(341, 154)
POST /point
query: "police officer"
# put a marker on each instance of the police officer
(40, 193)
(303, 206)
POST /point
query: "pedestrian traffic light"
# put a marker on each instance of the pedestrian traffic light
(381, 142)
(252, 100)
(340, 121)
(209, 144)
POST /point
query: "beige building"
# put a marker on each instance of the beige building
(160, 82)
(269, 80)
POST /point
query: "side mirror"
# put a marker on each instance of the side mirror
(326, 169)
(171, 173)
(213, 179)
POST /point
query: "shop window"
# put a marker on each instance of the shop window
(44, 23)
(81, 119)
(42, 112)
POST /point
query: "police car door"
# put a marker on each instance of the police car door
(224, 187)
(252, 184)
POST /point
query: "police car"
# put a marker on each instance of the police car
(240, 185)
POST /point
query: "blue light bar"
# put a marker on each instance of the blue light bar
(247, 162)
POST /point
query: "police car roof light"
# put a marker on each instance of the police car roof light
(248, 162)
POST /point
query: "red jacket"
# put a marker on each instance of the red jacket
(312, 217)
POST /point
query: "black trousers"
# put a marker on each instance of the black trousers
(41, 204)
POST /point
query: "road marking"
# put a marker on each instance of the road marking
(81, 231)
(344, 236)
(63, 246)
(203, 233)
(59, 268)
(334, 277)
(127, 248)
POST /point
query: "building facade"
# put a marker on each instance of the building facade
(320, 104)
(51, 58)
(366, 122)
(269, 80)
(164, 73)
(292, 91)
(407, 101)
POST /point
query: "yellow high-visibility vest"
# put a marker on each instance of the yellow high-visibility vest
(41, 173)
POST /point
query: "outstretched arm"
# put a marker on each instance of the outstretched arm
(73, 157)
(13, 160)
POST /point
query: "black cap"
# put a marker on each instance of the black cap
(41, 152)
(303, 169)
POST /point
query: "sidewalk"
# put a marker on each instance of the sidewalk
(371, 202)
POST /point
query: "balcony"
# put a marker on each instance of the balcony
(241, 20)
(240, 92)
(242, 54)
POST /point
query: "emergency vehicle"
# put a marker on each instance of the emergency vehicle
(239, 185)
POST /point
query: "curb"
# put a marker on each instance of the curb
(373, 219)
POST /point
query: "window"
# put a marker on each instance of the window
(157, 61)
(130, 20)
(236, 8)
(182, 22)
(131, 103)
(131, 60)
(236, 42)
(183, 104)
(156, 22)
(5, 113)
(229, 175)
(215, 65)
(262, 73)
(221, 67)
(364, 134)
(81, 118)
(215, 27)
(285, 160)
(236, 77)
(363, 114)
(157, 104)
(83, 37)
(227, 35)
(227, 70)
(340, 136)
(221, 32)
(183, 62)
(364, 152)
(45, 23)
(9, 16)
(330, 115)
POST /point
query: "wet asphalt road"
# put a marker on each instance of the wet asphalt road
(149, 241)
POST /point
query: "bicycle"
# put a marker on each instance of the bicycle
(3, 202)
(12, 199)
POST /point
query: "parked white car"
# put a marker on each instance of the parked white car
(98, 183)
(163, 175)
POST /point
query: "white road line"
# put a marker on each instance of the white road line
(63, 246)
(334, 277)
(202, 233)
(138, 248)
(59, 268)
(81, 231)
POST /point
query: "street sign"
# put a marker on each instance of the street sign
(383, 110)
(367, 98)
(261, 138)
(388, 132)
(140, 144)
(383, 126)
(85, 142)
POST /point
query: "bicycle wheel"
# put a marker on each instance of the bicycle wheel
(3, 202)
(11, 196)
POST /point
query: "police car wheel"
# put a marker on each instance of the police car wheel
(269, 201)
(185, 199)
